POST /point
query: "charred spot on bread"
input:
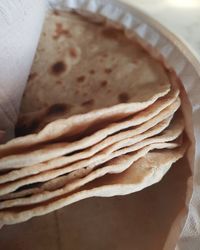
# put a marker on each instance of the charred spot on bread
(123, 97)
(58, 68)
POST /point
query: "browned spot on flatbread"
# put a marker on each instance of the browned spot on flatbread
(136, 60)
(104, 83)
(57, 109)
(73, 52)
(58, 82)
(108, 70)
(32, 76)
(58, 68)
(80, 79)
(60, 31)
(25, 127)
(105, 55)
(24, 94)
(110, 33)
(2, 134)
(92, 71)
(88, 103)
(123, 97)
(56, 13)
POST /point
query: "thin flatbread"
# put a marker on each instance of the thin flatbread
(89, 152)
(117, 149)
(68, 72)
(14, 216)
(58, 149)
(114, 60)
(116, 165)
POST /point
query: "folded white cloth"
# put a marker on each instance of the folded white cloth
(21, 22)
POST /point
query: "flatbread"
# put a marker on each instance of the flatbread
(126, 218)
(124, 186)
(73, 69)
(171, 133)
(117, 149)
(88, 223)
(65, 88)
(89, 152)
(65, 93)
(174, 131)
(116, 165)
(58, 149)
(146, 171)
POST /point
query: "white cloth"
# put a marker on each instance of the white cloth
(20, 27)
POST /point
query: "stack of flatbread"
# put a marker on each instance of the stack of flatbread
(99, 117)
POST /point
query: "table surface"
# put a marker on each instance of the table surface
(182, 17)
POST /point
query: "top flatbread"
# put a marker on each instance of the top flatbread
(105, 74)
(101, 70)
